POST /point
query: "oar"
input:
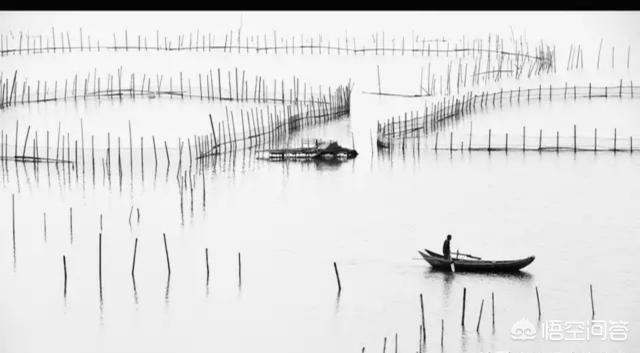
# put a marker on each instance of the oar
(468, 255)
(453, 267)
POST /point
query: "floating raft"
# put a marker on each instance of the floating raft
(321, 151)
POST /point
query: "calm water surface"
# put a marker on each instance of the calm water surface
(577, 213)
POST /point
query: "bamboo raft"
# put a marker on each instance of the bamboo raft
(321, 150)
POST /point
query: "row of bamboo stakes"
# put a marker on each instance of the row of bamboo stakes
(255, 132)
(135, 250)
(575, 59)
(72, 174)
(449, 109)
(202, 150)
(422, 333)
(614, 143)
(239, 88)
(503, 66)
(499, 69)
(24, 43)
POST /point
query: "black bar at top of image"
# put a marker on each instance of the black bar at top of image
(419, 5)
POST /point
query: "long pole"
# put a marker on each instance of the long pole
(480, 316)
(239, 270)
(464, 300)
(206, 256)
(133, 265)
(335, 267)
(166, 251)
(538, 299)
(100, 262)
(593, 311)
(64, 264)
(424, 334)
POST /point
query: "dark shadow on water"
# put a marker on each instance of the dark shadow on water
(464, 340)
(329, 165)
(101, 310)
(135, 291)
(166, 291)
(448, 276)
(320, 165)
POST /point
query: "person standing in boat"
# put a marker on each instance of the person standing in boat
(446, 248)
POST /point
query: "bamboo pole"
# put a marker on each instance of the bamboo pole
(100, 263)
(133, 264)
(206, 256)
(166, 251)
(239, 270)
(335, 267)
(464, 302)
(538, 300)
(493, 311)
(593, 311)
(480, 316)
(424, 332)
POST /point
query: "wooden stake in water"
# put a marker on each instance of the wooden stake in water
(464, 301)
(593, 311)
(239, 270)
(480, 316)
(204, 200)
(167, 150)
(538, 299)
(64, 264)
(133, 265)
(206, 257)
(100, 263)
(424, 334)
(166, 251)
(441, 332)
(335, 267)
(493, 311)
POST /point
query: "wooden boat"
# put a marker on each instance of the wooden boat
(439, 262)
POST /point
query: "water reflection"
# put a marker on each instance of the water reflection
(166, 291)
(464, 340)
(447, 276)
(327, 165)
(135, 291)
(101, 310)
